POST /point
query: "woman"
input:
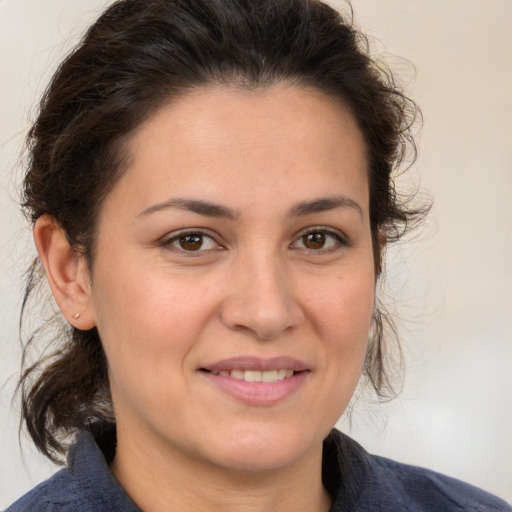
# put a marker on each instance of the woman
(210, 186)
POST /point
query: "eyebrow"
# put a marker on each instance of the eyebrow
(209, 209)
(205, 208)
(324, 204)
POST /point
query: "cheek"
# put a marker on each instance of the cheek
(342, 317)
(147, 326)
(342, 308)
(153, 305)
(147, 323)
(150, 323)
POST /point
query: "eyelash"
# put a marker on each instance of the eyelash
(337, 237)
(174, 239)
(339, 240)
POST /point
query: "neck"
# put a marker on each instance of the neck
(165, 479)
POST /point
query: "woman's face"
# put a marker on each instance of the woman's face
(233, 283)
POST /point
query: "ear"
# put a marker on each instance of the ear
(66, 271)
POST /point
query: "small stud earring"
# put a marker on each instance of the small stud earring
(77, 316)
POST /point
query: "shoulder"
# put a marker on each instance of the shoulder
(56, 493)
(86, 484)
(414, 488)
(385, 485)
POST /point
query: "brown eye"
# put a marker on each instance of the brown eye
(314, 240)
(192, 242)
(319, 240)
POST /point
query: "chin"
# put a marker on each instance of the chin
(273, 448)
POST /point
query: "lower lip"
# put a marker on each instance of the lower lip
(257, 393)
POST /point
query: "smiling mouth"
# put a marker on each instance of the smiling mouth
(255, 381)
(255, 375)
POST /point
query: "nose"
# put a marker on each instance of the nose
(260, 299)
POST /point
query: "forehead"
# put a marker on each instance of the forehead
(239, 142)
(231, 116)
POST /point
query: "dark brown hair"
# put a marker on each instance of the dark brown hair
(138, 55)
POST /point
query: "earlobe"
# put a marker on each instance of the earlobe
(66, 271)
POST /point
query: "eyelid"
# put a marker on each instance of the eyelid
(334, 233)
(170, 238)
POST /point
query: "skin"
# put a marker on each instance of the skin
(256, 287)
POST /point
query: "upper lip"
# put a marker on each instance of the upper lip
(257, 363)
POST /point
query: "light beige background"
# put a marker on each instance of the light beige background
(453, 284)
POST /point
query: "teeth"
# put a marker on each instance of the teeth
(269, 376)
(238, 374)
(257, 375)
(252, 376)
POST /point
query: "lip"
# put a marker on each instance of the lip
(256, 393)
(256, 363)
